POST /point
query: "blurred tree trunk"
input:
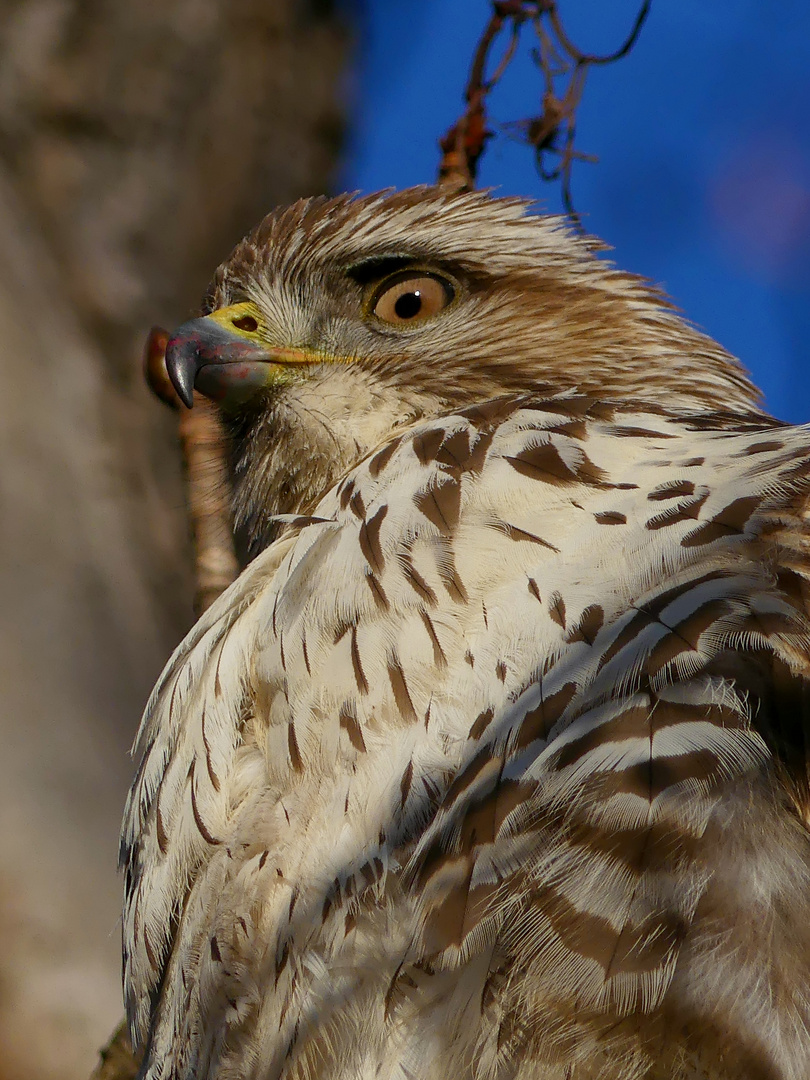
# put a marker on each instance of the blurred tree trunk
(138, 141)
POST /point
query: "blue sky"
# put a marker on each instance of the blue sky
(703, 139)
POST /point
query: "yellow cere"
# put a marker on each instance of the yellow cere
(245, 320)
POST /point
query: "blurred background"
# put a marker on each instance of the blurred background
(138, 142)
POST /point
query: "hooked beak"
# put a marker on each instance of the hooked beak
(227, 363)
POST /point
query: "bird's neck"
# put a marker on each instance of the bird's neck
(309, 435)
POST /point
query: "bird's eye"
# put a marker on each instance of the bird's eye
(411, 297)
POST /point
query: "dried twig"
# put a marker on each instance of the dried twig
(464, 143)
(563, 67)
(203, 446)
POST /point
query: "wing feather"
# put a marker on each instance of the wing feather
(488, 703)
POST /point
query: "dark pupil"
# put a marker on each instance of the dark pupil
(408, 305)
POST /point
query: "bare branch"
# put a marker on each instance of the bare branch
(203, 446)
(563, 67)
(592, 58)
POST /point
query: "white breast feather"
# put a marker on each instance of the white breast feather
(316, 750)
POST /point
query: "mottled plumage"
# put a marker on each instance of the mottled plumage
(492, 763)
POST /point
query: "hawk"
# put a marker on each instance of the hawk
(492, 764)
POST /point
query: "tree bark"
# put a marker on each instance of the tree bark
(138, 142)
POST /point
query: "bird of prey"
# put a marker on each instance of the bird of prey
(492, 764)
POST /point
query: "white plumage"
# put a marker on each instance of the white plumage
(491, 764)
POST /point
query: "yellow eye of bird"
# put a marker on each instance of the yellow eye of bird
(411, 297)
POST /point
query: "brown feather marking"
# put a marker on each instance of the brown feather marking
(484, 759)
(378, 462)
(500, 671)
(672, 489)
(446, 569)
(389, 993)
(587, 626)
(649, 779)
(767, 447)
(633, 432)
(305, 652)
(478, 452)
(198, 821)
(454, 585)
(216, 955)
(610, 517)
(697, 622)
(685, 636)
(402, 696)
(508, 795)
(292, 745)
(455, 450)
(543, 461)
(491, 413)
(441, 505)
(293, 1040)
(217, 683)
(358, 506)
(439, 658)
(569, 407)
(480, 825)
(446, 918)
(574, 428)
(357, 664)
(208, 763)
(556, 609)
(481, 723)
(426, 444)
(728, 522)
(281, 962)
(162, 838)
(369, 538)
(514, 533)
(675, 514)
(351, 725)
(377, 591)
(635, 722)
(535, 590)
(538, 722)
(639, 847)
(417, 582)
(650, 613)
(643, 948)
(405, 784)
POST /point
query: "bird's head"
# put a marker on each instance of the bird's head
(337, 322)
